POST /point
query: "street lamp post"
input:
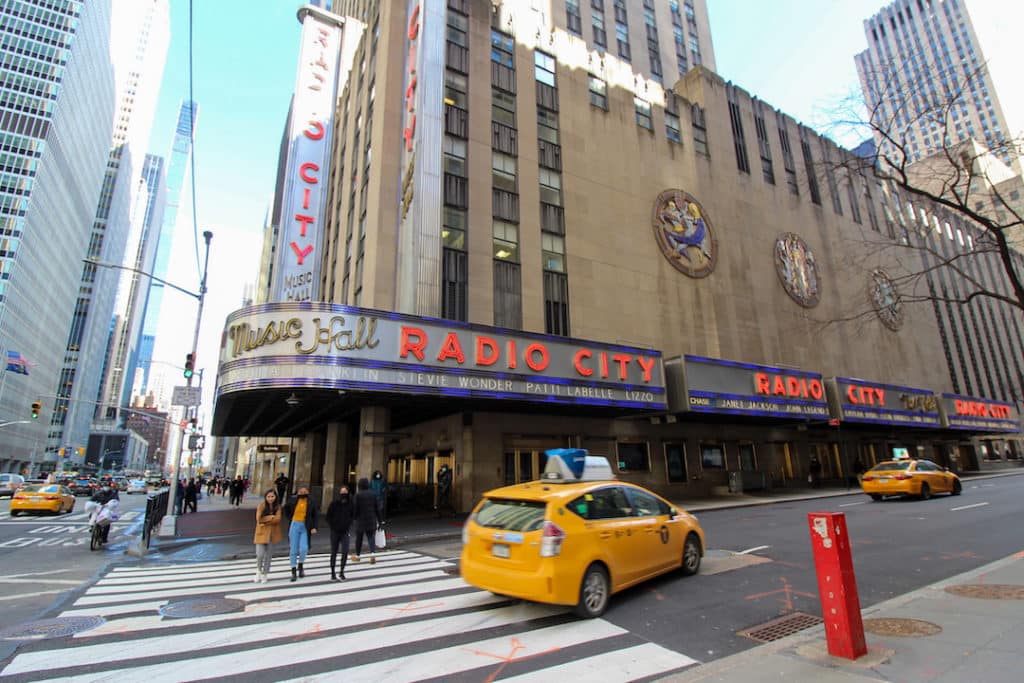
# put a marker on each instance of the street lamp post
(169, 524)
(170, 520)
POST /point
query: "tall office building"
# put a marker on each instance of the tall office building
(925, 80)
(57, 104)
(126, 325)
(138, 70)
(177, 176)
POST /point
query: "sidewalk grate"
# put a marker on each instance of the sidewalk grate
(988, 591)
(904, 628)
(777, 629)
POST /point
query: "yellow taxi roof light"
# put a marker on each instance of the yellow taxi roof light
(571, 465)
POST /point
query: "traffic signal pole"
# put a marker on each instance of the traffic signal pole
(169, 525)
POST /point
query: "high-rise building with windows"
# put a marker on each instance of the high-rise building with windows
(57, 105)
(138, 64)
(925, 80)
(529, 242)
(177, 175)
(126, 325)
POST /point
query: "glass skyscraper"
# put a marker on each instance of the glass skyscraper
(177, 175)
(138, 64)
(57, 103)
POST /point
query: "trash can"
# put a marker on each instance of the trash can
(735, 482)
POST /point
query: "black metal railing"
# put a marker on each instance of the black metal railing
(156, 508)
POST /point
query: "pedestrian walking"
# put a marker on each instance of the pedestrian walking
(379, 486)
(859, 469)
(226, 487)
(815, 472)
(191, 492)
(367, 519)
(302, 512)
(340, 513)
(268, 532)
(211, 484)
(179, 497)
(237, 491)
(281, 483)
(444, 490)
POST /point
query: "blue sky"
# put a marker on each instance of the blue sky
(796, 55)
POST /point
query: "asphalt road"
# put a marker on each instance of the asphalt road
(46, 558)
(759, 564)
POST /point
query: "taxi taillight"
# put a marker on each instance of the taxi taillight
(902, 476)
(867, 477)
(551, 539)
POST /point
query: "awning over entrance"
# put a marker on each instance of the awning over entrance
(346, 358)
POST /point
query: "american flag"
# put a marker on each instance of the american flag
(17, 363)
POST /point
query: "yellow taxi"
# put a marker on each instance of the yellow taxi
(908, 477)
(52, 498)
(575, 536)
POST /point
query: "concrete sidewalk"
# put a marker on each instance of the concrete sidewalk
(966, 628)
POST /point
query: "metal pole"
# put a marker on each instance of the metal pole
(207, 235)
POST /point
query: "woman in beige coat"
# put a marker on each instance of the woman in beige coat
(268, 532)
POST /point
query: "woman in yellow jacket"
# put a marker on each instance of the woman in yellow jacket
(268, 532)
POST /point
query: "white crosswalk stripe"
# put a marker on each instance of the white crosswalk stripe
(404, 618)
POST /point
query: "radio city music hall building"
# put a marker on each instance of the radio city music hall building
(498, 237)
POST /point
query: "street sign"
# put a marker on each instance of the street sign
(833, 422)
(186, 396)
(272, 448)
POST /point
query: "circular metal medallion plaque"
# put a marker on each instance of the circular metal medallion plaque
(797, 269)
(684, 234)
(885, 299)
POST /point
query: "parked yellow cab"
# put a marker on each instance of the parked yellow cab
(907, 477)
(575, 536)
(42, 498)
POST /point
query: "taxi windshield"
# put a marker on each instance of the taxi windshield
(512, 515)
(891, 466)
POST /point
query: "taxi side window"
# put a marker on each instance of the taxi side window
(646, 505)
(605, 503)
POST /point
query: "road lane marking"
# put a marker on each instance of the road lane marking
(19, 596)
(968, 507)
(753, 550)
(850, 505)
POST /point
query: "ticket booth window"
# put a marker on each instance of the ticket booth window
(675, 463)
(748, 459)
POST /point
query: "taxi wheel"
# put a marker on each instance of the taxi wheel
(691, 555)
(956, 487)
(876, 496)
(926, 492)
(594, 592)
(15, 513)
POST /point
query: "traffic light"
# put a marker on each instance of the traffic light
(61, 451)
(194, 422)
(36, 407)
(190, 365)
(81, 451)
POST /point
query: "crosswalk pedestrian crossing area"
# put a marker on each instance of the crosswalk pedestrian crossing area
(72, 518)
(408, 617)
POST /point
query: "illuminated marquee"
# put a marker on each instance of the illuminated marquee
(720, 386)
(979, 414)
(856, 400)
(332, 346)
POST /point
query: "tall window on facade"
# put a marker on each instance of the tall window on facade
(653, 48)
(598, 92)
(572, 17)
(812, 173)
(622, 40)
(851, 194)
(503, 61)
(765, 150)
(830, 177)
(556, 303)
(454, 258)
(507, 290)
(643, 113)
(738, 141)
(787, 156)
(700, 131)
(457, 48)
(597, 21)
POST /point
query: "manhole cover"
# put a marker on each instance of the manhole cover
(202, 607)
(781, 627)
(50, 628)
(905, 628)
(985, 591)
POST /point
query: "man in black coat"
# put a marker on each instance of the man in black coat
(340, 514)
(237, 490)
(367, 519)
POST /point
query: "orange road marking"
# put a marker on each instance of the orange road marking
(511, 657)
(787, 592)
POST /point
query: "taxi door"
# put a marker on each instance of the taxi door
(610, 523)
(659, 545)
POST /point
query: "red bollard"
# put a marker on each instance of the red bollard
(837, 586)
